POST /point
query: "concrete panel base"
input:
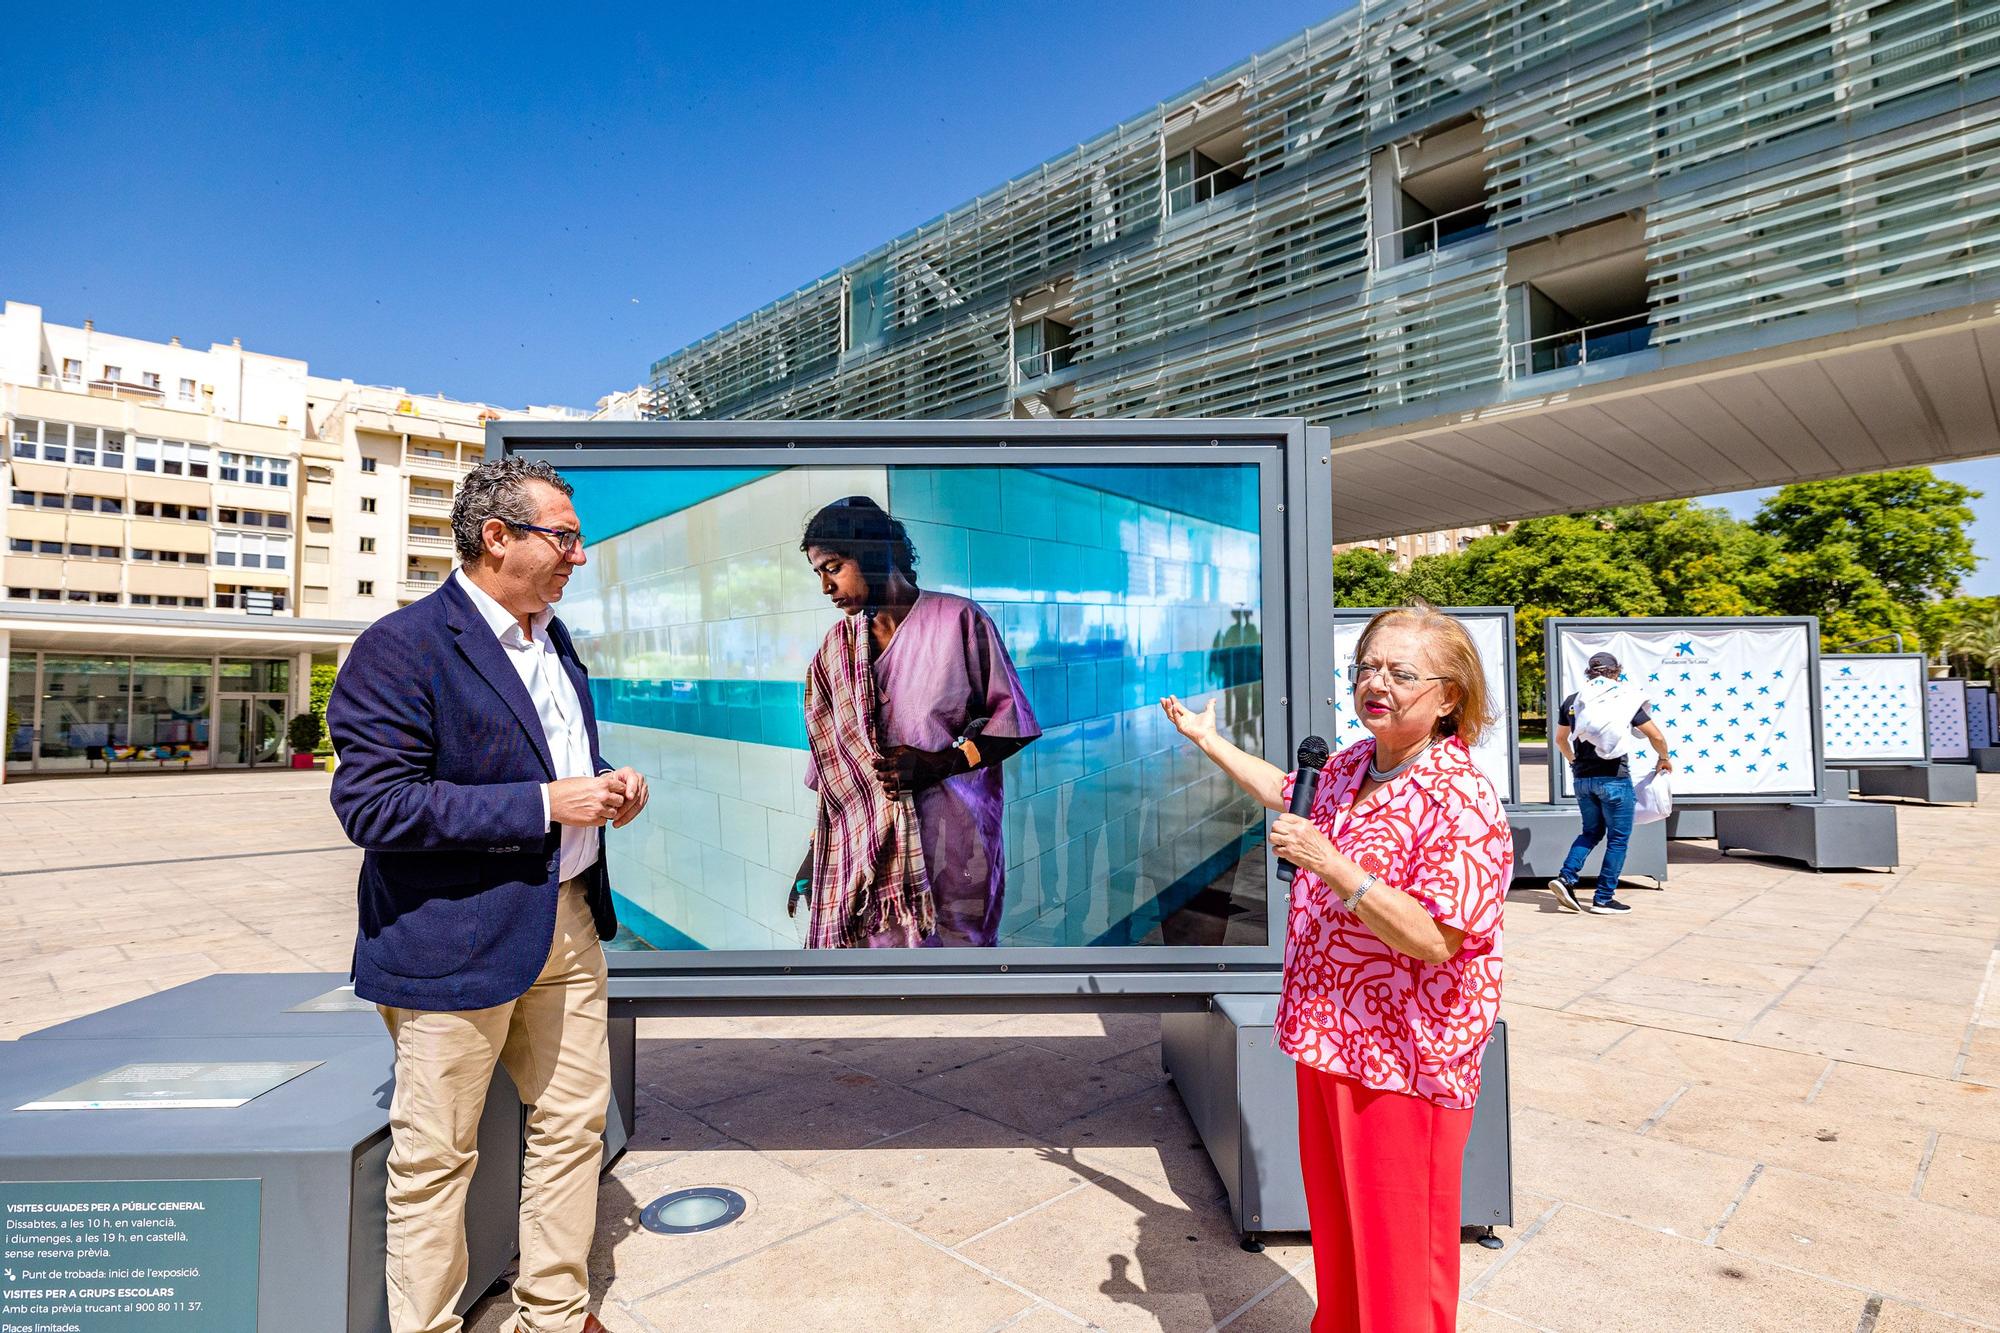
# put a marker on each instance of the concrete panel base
(622, 1121)
(1937, 784)
(1986, 758)
(1686, 824)
(231, 1014)
(318, 1147)
(1543, 834)
(1830, 835)
(1241, 1092)
(1843, 779)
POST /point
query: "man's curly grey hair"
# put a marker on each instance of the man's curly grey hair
(498, 489)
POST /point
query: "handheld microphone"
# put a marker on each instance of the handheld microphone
(1313, 755)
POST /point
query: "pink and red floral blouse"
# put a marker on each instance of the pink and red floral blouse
(1352, 1005)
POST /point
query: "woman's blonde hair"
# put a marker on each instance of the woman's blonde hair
(1455, 658)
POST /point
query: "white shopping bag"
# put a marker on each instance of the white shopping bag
(1654, 798)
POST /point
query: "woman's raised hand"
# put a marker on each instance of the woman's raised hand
(1197, 727)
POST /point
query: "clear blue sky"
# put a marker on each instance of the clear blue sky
(528, 204)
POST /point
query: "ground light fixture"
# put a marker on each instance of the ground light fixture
(689, 1211)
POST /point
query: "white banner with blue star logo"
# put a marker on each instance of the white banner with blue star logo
(1734, 704)
(1979, 729)
(1871, 708)
(1489, 636)
(1949, 736)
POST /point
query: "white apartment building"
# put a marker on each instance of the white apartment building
(185, 529)
(1401, 551)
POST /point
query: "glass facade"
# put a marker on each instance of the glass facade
(84, 709)
(77, 712)
(20, 711)
(1796, 167)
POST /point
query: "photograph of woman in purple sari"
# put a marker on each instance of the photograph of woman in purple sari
(912, 704)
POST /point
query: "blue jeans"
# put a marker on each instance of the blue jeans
(1606, 805)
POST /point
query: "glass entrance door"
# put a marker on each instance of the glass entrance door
(251, 730)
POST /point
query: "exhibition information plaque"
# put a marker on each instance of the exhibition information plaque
(130, 1256)
(217, 1085)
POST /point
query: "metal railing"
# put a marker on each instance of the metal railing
(1431, 235)
(1579, 347)
(1202, 189)
(451, 467)
(1037, 364)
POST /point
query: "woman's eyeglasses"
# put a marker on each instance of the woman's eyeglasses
(567, 539)
(1399, 676)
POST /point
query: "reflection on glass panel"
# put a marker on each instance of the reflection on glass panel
(256, 676)
(1044, 610)
(270, 730)
(20, 710)
(83, 709)
(170, 710)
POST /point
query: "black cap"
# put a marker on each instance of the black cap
(1602, 664)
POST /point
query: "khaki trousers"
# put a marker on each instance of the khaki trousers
(552, 1042)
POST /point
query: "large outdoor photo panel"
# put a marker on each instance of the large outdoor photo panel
(1872, 708)
(1062, 592)
(1979, 730)
(1492, 631)
(1950, 736)
(1737, 699)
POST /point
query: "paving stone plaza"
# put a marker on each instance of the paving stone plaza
(1767, 1099)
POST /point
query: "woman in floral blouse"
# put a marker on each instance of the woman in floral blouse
(1392, 967)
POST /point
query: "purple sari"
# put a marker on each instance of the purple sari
(944, 675)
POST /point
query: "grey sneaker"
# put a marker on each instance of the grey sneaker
(1565, 893)
(1612, 908)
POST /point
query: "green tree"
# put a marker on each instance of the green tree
(1832, 581)
(319, 692)
(1906, 528)
(1702, 559)
(1573, 565)
(1363, 577)
(1437, 579)
(1938, 622)
(1975, 642)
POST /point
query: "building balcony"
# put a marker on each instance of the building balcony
(421, 587)
(1579, 347)
(447, 469)
(424, 542)
(429, 504)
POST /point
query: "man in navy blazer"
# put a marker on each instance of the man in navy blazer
(469, 773)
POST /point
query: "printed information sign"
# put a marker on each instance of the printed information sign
(130, 1256)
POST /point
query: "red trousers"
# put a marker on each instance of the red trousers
(1382, 1191)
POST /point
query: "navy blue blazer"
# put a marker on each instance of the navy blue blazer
(441, 766)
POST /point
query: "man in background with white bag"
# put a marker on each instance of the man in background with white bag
(1594, 730)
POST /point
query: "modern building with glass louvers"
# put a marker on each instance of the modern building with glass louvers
(1523, 258)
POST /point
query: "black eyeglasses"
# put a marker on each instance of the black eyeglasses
(567, 539)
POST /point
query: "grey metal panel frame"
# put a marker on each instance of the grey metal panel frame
(1923, 703)
(1965, 707)
(1555, 626)
(1296, 578)
(1983, 692)
(1505, 613)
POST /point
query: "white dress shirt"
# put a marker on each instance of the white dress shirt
(555, 701)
